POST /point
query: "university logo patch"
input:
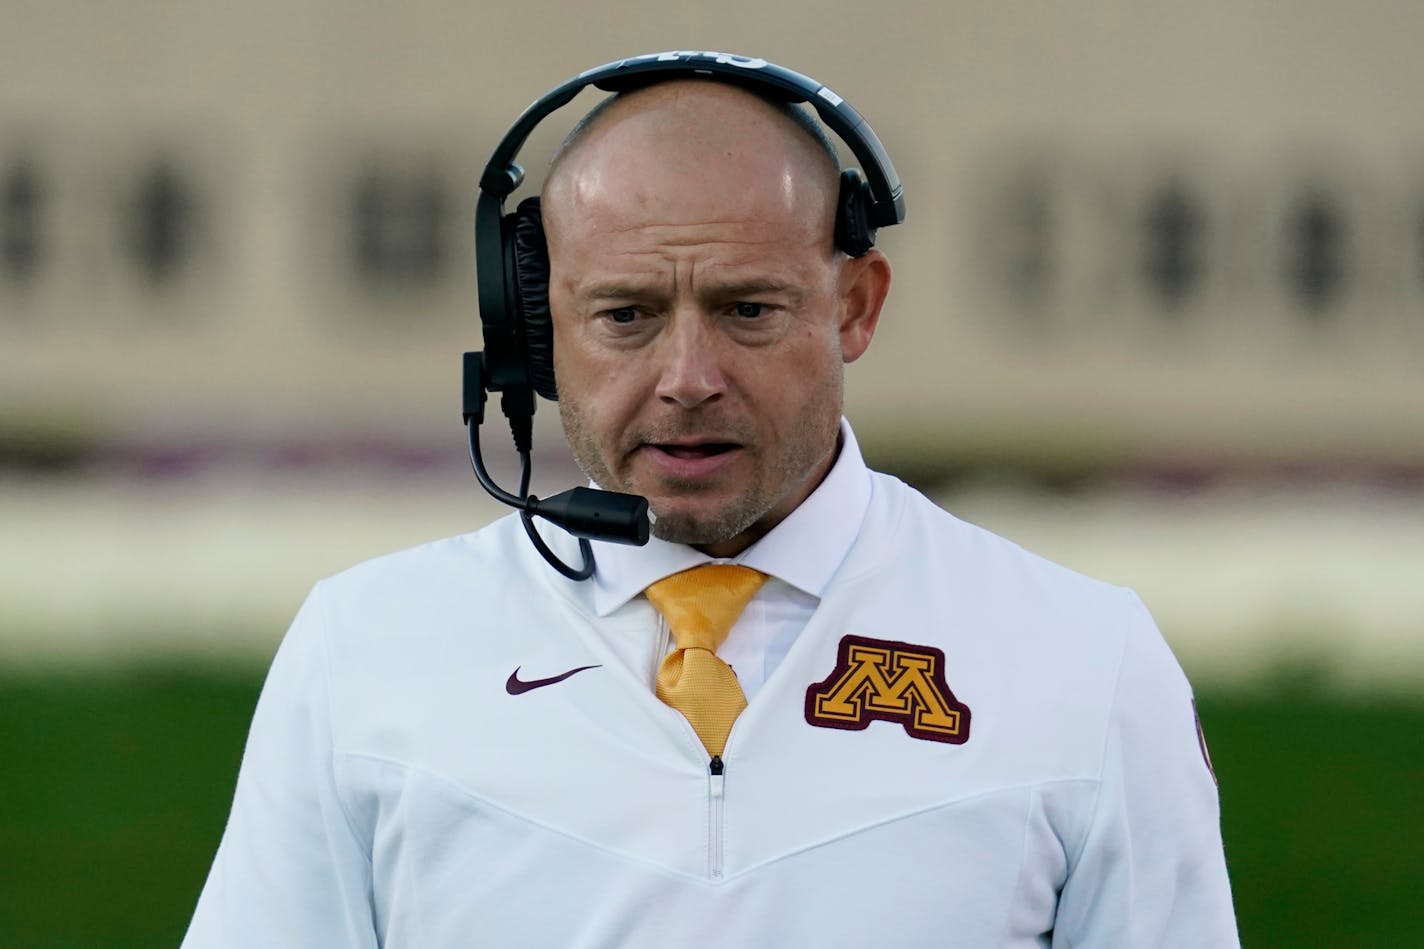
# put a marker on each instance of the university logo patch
(878, 679)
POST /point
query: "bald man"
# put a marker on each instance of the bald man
(702, 313)
(938, 740)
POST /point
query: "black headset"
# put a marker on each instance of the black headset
(512, 264)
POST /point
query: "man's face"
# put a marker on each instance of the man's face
(701, 314)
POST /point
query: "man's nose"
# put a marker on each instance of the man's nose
(690, 371)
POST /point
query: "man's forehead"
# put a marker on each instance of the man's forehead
(759, 278)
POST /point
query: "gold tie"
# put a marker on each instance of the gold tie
(700, 606)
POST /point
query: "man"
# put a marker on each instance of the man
(913, 734)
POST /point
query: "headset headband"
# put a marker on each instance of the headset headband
(501, 176)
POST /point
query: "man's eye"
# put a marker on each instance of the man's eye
(750, 310)
(623, 314)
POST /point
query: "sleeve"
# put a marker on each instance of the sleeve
(290, 871)
(1150, 870)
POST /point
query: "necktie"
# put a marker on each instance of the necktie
(700, 606)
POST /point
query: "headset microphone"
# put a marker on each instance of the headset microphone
(512, 268)
(583, 512)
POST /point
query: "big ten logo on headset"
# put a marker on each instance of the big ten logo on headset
(691, 56)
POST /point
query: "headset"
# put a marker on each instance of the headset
(512, 269)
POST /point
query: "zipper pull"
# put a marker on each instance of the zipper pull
(716, 792)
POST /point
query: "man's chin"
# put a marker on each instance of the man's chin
(701, 526)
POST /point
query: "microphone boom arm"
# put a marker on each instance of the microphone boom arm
(585, 513)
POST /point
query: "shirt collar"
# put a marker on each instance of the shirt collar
(804, 550)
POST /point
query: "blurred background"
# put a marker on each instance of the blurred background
(1158, 314)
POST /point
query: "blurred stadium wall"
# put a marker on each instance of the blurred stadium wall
(1158, 311)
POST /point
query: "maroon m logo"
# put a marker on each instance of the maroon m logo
(877, 679)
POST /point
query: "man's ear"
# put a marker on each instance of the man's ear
(864, 283)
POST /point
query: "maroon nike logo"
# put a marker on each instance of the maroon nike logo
(518, 686)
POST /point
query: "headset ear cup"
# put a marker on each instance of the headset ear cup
(531, 278)
(854, 233)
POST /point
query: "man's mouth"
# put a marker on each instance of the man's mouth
(697, 450)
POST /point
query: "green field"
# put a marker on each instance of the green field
(116, 788)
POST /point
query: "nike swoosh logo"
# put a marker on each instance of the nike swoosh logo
(517, 686)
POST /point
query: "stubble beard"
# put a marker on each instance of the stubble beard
(792, 464)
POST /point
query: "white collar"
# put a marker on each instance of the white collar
(804, 550)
